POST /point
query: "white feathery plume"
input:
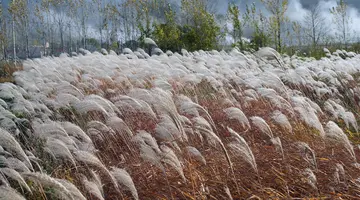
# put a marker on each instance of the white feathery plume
(98, 126)
(276, 100)
(121, 128)
(97, 180)
(149, 41)
(194, 153)
(261, 124)
(14, 163)
(3, 179)
(168, 156)
(149, 149)
(67, 88)
(8, 142)
(187, 107)
(167, 130)
(93, 189)
(241, 147)
(334, 132)
(237, 114)
(58, 149)
(310, 178)
(66, 99)
(124, 178)
(12, 174)
(92, 160)
(339, 173)
(81, 139)
(276, 141)
(47, 181)
(118, 125)
(201, 122)
(76, 132)
(281, 120)
(95, 134)
(74, 191)
(307, 113)
(227, 191)
(106, 104)
(307, 153)
(50, 129)
(83, 107)
(349, 118)
(8, 193)
(185, 121)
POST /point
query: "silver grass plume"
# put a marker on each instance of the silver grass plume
(241, 147)
(125, 179)
(194, 153)
(210, 135)
(276, 141)
(106, 104)
(167, 130)
(168, 156)
(14, 175)
(334, 132)
(261, 124)
(121, 128)
(92, 160)
(96, 179)
(14, 163)
(339, 174)
(93, 189)
(310, 178)
(307, 153)
(8, 142)
(78, 135)
(227, 191)
(59, 150)
(74, 191)
(149, 149)
(237, 114)
(281, 120)
(8, 193)
(83, 107)
(186, 106)
(47, 181)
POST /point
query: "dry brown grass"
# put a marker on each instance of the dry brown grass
(277, 177)
(7, 69)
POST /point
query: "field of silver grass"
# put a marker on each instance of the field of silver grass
(199, 125)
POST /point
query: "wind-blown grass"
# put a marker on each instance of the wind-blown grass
(201, 125)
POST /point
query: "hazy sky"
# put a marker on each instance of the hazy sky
(297, 9)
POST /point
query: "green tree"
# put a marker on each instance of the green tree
(233, 14)
(167, 35)
(200, 30)
(277, 8)
(259, 23)
(314, 25)
(342, 20)
(20, 12)
(3, 36)
(297, 30)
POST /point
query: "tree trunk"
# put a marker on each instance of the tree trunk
(27, 40)
(279, 36)
(61, 29)
(44, 43)
(70, 49)
(14, 38)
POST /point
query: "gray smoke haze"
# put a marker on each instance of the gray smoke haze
(297, 9)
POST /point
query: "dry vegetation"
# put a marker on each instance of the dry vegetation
(305, 164)
(7, 69)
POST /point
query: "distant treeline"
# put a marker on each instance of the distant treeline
(51, 27)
